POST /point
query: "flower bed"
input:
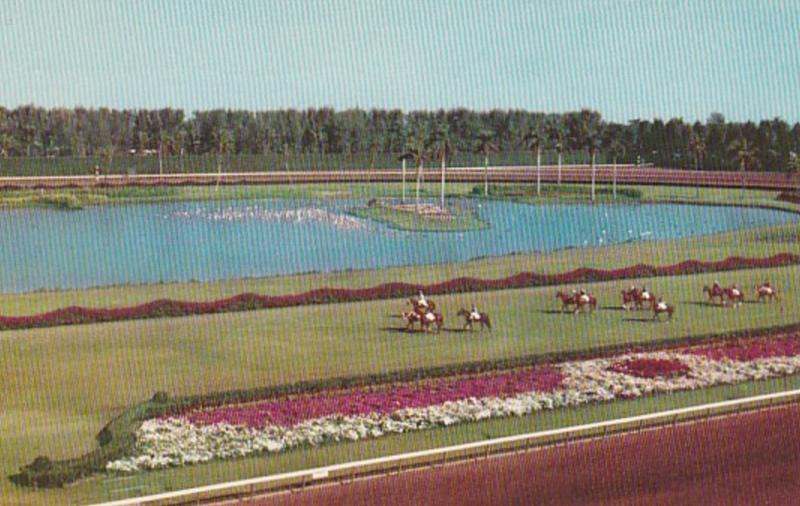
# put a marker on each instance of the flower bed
(280, 424)
(250, 301)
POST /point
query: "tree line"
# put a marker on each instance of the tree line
(103, 133)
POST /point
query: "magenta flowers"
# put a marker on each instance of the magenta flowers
(385, 400)
(650, 368)
(745, 350)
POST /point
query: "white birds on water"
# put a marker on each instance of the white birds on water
(299, 215)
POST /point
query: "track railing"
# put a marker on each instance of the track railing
(440, 456)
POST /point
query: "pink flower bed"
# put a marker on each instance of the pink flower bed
(746, 350)
(290, 411)
(650, 368)
(250, 301)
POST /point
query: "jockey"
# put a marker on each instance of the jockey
(716, 283)
(422, 301)
(766, 284)
(661, 304)
(474, 313)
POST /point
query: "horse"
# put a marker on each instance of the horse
(714, 292)
(584, 302)
(431, 318)
(767, 293)
(734, 296)
(411, 317)
(630, 297)
(644, 297)
(469, 318)
(566, 299)
(662, 307)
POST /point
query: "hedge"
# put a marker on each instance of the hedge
(250, 301)
(117, 438)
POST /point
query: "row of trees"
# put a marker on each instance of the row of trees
(715, 144)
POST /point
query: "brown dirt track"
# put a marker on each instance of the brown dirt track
(752, 458)
(572, 174)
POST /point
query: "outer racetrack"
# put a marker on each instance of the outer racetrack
(750, 458)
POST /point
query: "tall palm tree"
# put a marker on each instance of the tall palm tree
(697, 146)
(742, 151)
(592, 133)
(486, 147)
(419, 150)
(533, 140)
(794, 165)
(445, 149)
(616, 148)
(557, 135)
(222, 142)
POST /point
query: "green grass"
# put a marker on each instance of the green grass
(460, 220)
(61, 385)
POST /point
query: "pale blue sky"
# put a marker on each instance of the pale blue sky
(625, 58)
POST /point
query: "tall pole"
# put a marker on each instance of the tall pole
(444, 164)
(403, 198)
(485, 175)
(538, 170)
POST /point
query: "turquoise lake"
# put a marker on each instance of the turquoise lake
(150, 243)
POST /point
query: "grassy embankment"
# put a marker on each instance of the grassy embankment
(64, 384)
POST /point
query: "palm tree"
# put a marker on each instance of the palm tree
(743, 152)
(485, 147)
(616, 148)
(794, 165)
(107, 154)
(592, 133)
(698, 148)
(557, 135)
(165, 142)
(222, 142)
(533, 140)
(419, 150)
(445, 148)
(7, 145)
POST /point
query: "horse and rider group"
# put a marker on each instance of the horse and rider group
(635, 298)
(423, 312)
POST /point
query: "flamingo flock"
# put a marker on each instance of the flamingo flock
(255, 213)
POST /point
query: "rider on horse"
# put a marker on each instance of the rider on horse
(474, 313)
(421, 301)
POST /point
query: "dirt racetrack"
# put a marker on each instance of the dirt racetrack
(515, 174)
(746, 459)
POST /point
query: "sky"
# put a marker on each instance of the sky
(625, 58)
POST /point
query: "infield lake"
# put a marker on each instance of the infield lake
(180, 241)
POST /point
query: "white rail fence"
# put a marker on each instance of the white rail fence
(439, 456)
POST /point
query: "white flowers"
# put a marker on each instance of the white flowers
(176, 442)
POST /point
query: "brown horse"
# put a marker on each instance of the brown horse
(431, 318)
(734, 296)
(469, 319)
(715, 292)
(662, 307)
(630, 298)
(585, 302)
(767, 293)
(411, 317)
(645, 297)
(566, 299)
